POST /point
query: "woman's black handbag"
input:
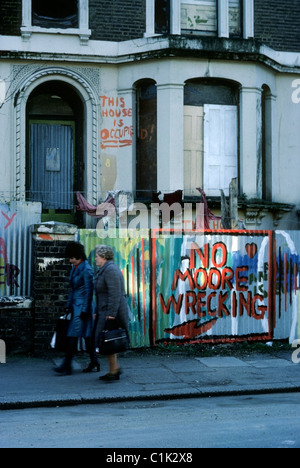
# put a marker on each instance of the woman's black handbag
(62, 327)
(113, 341)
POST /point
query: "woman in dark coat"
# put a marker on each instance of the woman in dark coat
(111, 301)
(79, 305)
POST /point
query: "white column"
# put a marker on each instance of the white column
(26, 13)
(170, 157)
(150, 18)
(248, 19)
(175, 17)
(250, 142)
(223, 18)
(83, 14)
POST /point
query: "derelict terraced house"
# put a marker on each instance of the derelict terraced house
(151, 95)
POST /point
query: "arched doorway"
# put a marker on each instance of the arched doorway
(55, 163)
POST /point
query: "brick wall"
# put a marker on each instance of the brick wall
(118, 20)
(17, 328)
(50, 283)
(277, 24)
(10, 17)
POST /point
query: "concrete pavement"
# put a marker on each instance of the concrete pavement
(30, 382)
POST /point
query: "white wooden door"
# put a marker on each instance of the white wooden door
(220, 148)
(193, 149)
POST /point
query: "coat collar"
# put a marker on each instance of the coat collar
(76, 271)
(102, 270)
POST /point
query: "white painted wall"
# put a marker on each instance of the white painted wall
(116, 166)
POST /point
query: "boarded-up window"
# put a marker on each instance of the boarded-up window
(220, 148)
(235, 18)
(199, 15)
(193, 149)
(210, 136)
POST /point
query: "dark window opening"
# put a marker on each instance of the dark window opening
(200, 92)
(146, 158)
(162, 16)
(266, 145)
(55, 13)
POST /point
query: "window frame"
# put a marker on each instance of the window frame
(82, 31)
(247, 14)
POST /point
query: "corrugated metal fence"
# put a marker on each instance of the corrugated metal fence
(133, 258)
(15, 247)
(217, 286)
(225, 286)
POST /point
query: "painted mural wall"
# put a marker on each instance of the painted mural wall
(208, 287)
(132, 255)
(215, 288)
(15, 247)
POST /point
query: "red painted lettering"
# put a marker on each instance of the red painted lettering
(10, 220)
(190, 305)
(227, 277)
(182, 276)
(214, 279)
(3, 251)
(203, 255)
(223, 260)
(203, 275)
(201, 304)
(262, 309)
(171, 301)
(212, 313)
(245, 303)
(221, 305)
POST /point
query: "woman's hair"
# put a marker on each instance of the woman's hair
(104, 251)
(75, 250)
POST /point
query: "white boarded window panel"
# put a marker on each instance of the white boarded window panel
(199, 15)
(220, 148)
(193, 149)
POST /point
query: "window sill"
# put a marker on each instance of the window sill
(84, 34)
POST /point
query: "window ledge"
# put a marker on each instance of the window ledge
(84, 34)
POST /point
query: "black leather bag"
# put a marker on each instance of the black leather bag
(112, 341)
(62, 327)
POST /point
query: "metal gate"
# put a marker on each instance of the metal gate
(51, 164)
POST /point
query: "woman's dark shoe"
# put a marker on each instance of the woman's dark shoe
(111, 377)
(91, 367)
(63, 370)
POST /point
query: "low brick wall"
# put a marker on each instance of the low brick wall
(17, 325)
(50, 280)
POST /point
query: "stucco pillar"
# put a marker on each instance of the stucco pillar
(250, 142)
(125, 176)
(170, 158)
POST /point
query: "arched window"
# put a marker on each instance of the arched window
(146, 148)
